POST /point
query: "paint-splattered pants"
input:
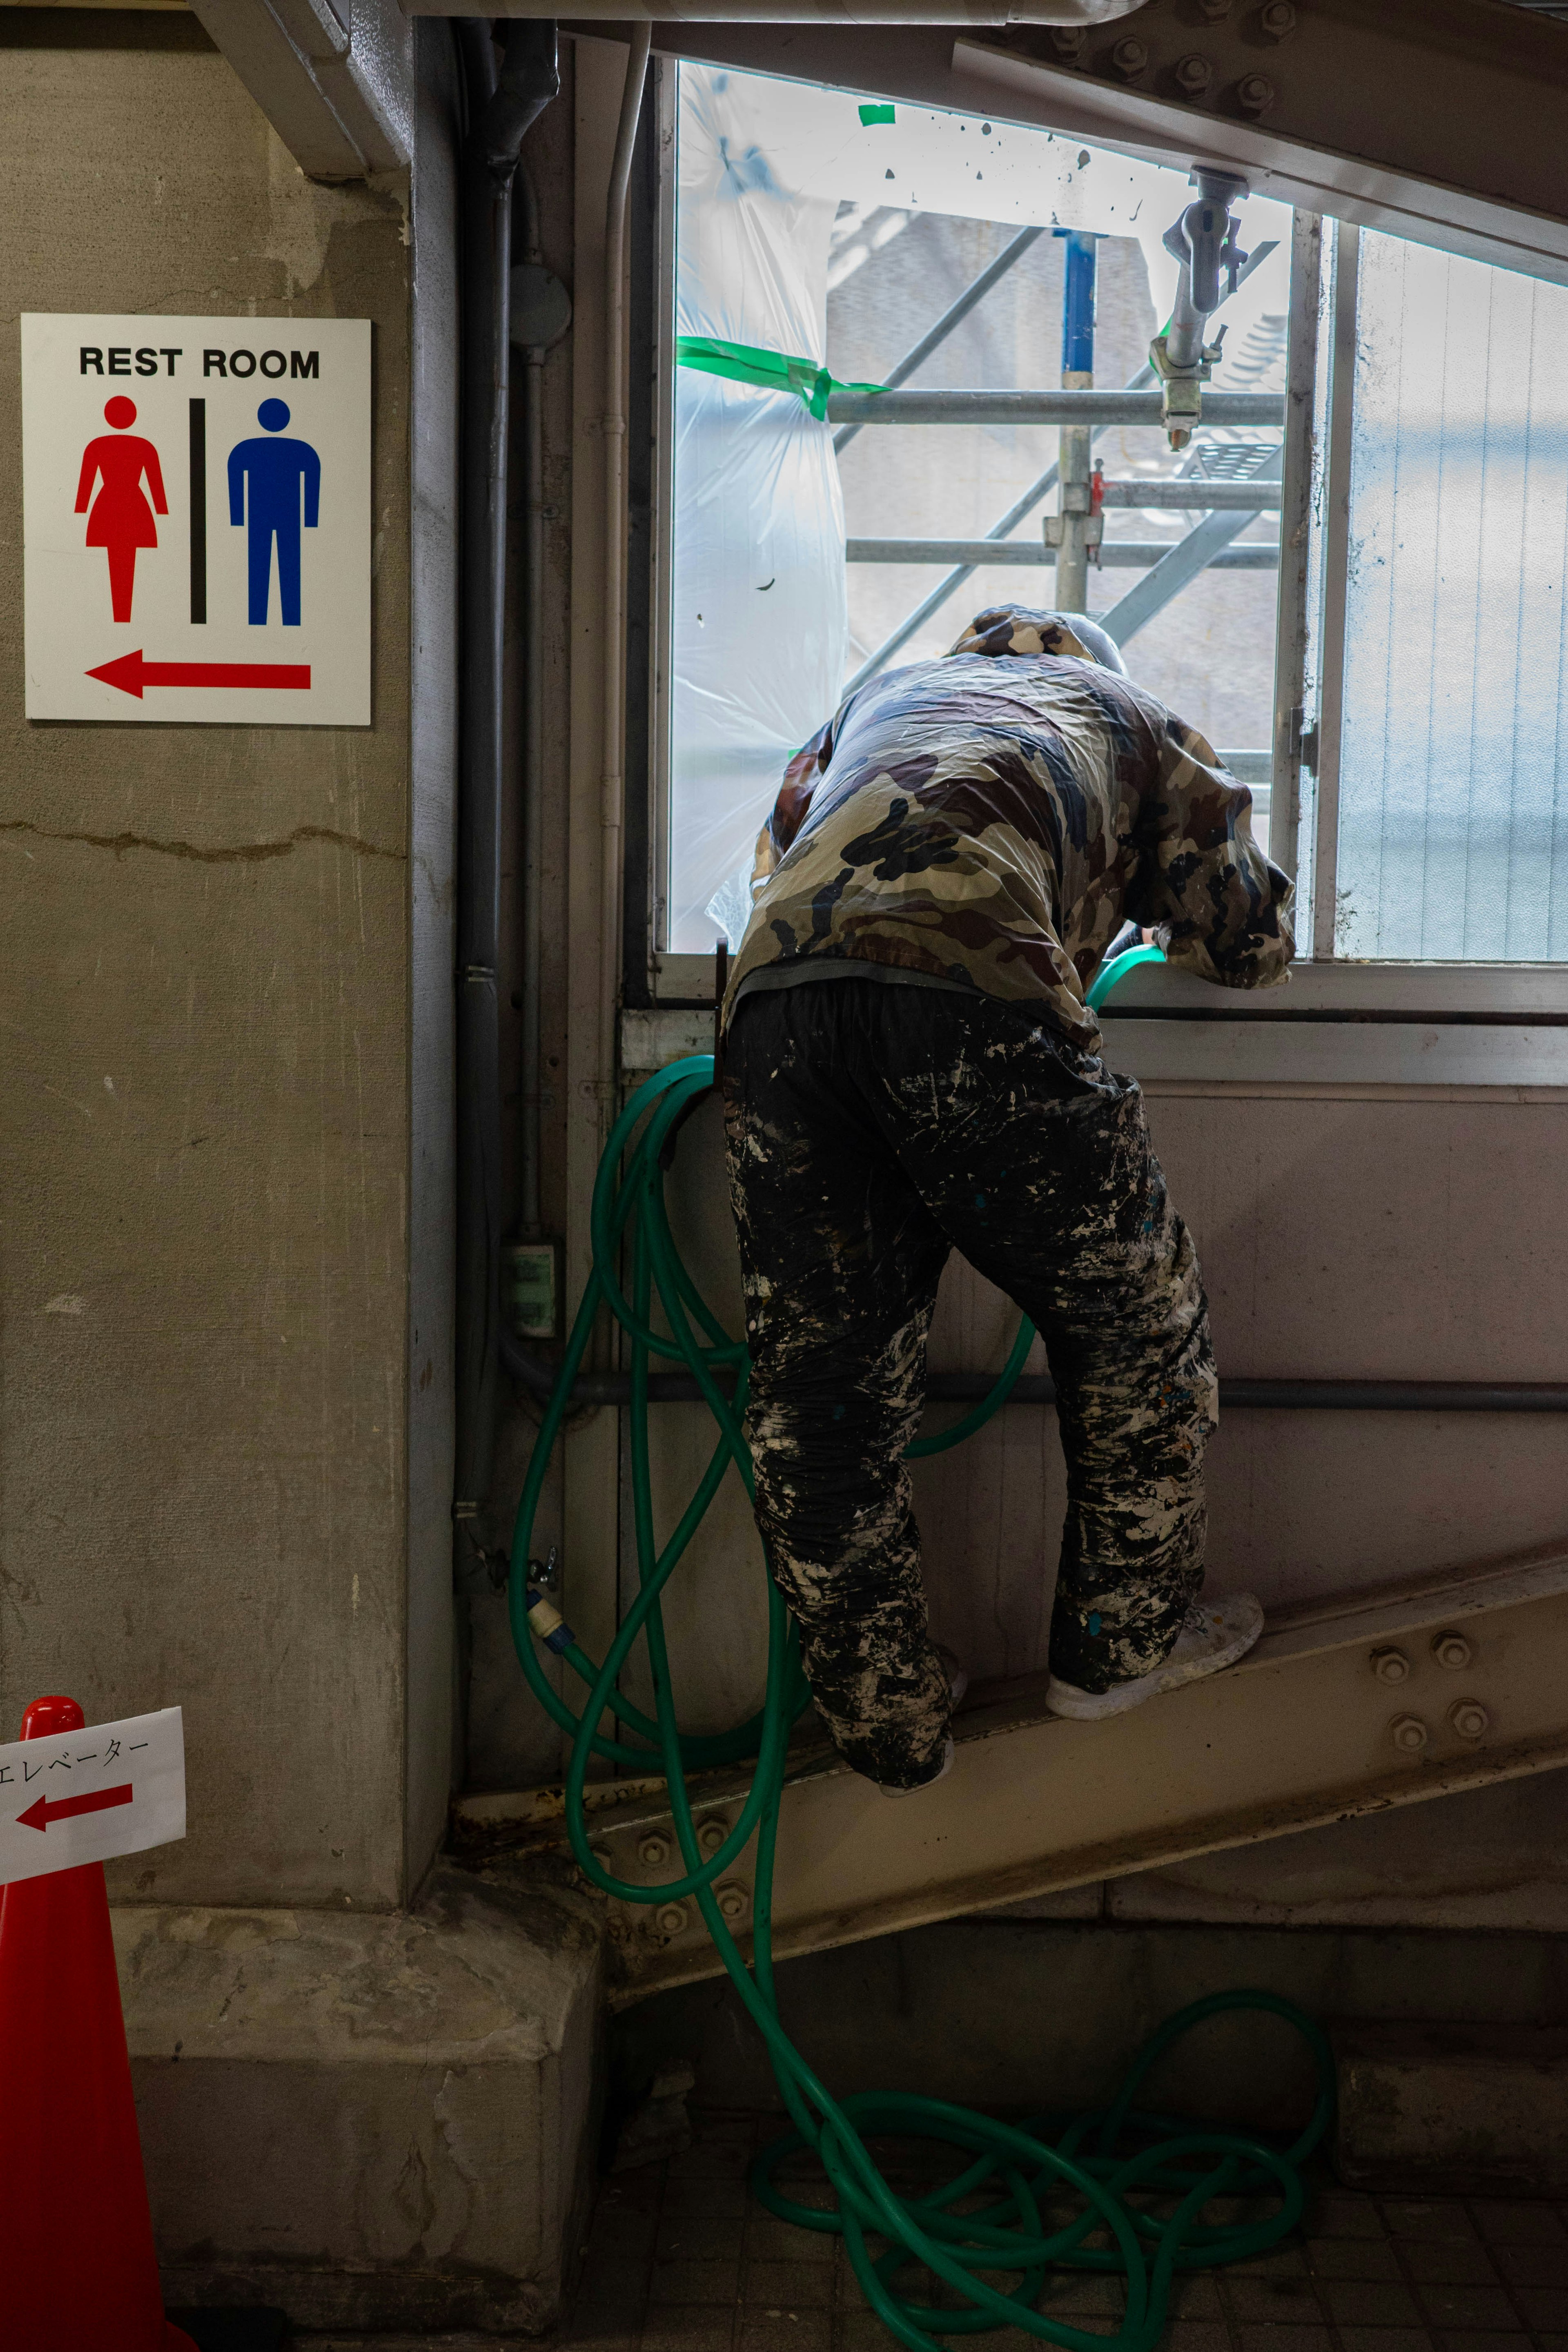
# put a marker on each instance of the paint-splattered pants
(871, 1128)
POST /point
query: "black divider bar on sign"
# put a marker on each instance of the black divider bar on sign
(198, 511)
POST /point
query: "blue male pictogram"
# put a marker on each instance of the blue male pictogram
(277, 472)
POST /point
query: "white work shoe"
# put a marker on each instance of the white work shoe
(1213, 1635)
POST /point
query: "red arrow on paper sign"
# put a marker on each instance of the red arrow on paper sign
(132, 674)
(39, 1816)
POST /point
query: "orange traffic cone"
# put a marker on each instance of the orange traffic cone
(78, 2273)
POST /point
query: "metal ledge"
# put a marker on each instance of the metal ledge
(1300, 1734)
(1344, 1026)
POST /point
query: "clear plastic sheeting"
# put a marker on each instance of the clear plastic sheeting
(760, 627)
(758, 619)
(1452, 829)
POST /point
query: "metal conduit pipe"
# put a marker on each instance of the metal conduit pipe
(541, 317)
(501, 110)
(533, 437)
(614, 788)
(1236, 1395)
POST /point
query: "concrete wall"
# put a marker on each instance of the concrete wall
(204, 1426)
(366, 2090)
(1027, 2015)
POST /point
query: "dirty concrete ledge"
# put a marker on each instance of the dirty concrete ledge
(377, 2122)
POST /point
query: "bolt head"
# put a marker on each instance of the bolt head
(732, 1899)
(1130, 58)
(1194, 74)
(670, 1919)
(1390, 1665)
(1255, 93)
(1068, 40)
(710, 1837)
(653, 1849)
(1409, 1734)
(1468, 1717)
(1277, 19)
(1213, 9)
(1451, 1650)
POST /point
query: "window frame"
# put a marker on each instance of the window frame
(1304, 789)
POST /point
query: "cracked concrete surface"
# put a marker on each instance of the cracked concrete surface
(225, 1017)
(206, 1016)
(236, 852)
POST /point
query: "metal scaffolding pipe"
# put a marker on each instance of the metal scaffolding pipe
(953, 316)
(1116, 555)
(1015, 513)
(1072, 531)
(1092, 409)
(1206, 543)
(1191, 495)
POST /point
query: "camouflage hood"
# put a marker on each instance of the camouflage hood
(989, 824)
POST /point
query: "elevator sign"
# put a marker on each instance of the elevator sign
(85, 1796)
(196, 520)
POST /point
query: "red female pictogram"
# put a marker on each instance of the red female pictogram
(122, 520)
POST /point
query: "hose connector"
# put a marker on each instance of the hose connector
(546, 1622)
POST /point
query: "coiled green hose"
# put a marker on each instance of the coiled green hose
(1134, 2184)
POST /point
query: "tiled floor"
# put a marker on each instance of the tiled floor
(681, 2258)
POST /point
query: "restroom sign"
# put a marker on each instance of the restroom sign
(196, 520)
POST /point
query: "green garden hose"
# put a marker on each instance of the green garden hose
(1121, 2190)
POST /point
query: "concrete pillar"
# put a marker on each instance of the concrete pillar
(225, 1413)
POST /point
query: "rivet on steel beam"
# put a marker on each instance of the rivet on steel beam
(1409, 1734)
(1452, 1650)
(1390, 1665)
(731, 1898)
(653, 1849)
(1130, 58)
(1195, 75)
(710, 1837)
(1468, 1717)
(1278, 19)
(1067, 41)
(1255, 93)
(672, 1919)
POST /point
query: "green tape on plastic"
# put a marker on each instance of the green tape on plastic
(769, 371)
(869, 114)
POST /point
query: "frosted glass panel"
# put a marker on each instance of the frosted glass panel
(1454, 756)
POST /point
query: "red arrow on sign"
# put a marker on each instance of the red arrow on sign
(39, 1816)
(130, 673)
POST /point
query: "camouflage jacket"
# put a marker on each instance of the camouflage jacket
(994, 822)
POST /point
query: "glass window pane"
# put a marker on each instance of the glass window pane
(813, 225)
(1453, 832)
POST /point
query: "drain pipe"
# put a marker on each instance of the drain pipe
(501, 109)
(532, 406)
(614, 786)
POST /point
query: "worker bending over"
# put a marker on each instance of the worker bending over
(911, 1068)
